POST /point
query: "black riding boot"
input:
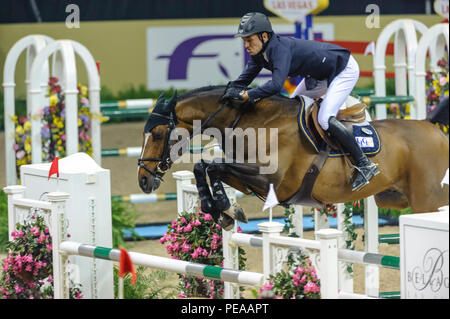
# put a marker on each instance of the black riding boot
(365, 168)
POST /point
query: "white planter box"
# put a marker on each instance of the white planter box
(424, 256)
(88, 213)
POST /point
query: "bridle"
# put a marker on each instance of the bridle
(164, 161)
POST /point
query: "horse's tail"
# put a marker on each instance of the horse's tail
(440, 113)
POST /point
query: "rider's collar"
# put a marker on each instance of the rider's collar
(265, 45)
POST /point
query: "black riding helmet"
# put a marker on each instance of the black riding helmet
(254, 23)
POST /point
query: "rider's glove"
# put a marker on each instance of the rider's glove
(233, 92)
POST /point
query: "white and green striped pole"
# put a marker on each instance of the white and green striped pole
(179, 266)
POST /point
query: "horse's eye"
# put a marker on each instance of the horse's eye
(157, 136)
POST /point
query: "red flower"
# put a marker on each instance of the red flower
(52, 81)
(442, 63)
(433, 96)
(429, 76)
(22, 120)
(56, 89)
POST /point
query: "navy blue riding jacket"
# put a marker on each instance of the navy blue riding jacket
(287, 56)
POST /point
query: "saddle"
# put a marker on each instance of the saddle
(353, 114)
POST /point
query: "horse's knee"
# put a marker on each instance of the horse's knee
(199, 168)
(215, 168)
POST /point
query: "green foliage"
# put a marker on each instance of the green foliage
(395, 212)
(141, 92)
(288, 225)
(123, 217)
(3, 221)
(152, 285)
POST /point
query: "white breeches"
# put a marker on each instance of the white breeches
(335, 95)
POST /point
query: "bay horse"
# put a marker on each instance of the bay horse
(413, 159)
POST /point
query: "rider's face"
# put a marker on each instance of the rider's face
(253, 44)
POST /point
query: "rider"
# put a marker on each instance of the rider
(327, 69)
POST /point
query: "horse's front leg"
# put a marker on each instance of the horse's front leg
(216, 170)
(206, 201)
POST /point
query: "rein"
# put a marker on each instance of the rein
(165, 162)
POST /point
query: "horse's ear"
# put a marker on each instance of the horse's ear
(161, 98)
(173, 101)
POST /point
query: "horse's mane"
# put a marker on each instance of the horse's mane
(282, 99)
(199, 90)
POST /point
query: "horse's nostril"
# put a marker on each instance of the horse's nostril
(144, 182)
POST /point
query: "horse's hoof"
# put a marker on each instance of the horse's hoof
(225, 221)
(237, 213)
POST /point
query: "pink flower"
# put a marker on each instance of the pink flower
(442, 81)
(196, 222)
(186, 247)
(311, 287)
(194, 254)
(34, 231)
(207, 217)
(267, 286)
(18, 289)
(20, 154)
(27, 258)
(84, 101)
(188, 228)
(197, 252)
(164, 238)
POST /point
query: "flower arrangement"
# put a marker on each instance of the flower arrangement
(197, 238)
(327, 210)
(298, 281)
(27, 271)
(53, 127)
(399, 110)
(436, 85)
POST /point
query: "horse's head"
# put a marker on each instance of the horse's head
(155, 156)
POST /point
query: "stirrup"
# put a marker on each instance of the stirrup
(372, 171)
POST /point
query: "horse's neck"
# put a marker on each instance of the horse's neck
(191, 114)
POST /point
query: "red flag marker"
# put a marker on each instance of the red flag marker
(54, 168)
(126, 265)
